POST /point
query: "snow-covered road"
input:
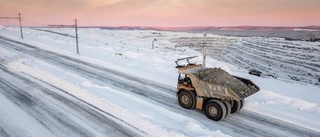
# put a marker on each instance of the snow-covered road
(34, 108)
(50, 101)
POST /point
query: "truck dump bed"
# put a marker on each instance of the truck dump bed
(217, 83)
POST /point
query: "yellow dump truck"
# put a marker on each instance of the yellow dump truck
(211, 89)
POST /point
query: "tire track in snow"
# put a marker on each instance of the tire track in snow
(3, 133)
(280, 125)
(59, 118)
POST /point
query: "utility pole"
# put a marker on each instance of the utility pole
(76, 30)
(76, 27)
(312, 37)
(20, 26)
(153, 43)
(19, 18)
(204, 54)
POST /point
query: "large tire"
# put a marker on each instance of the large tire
(228, 107)
(236, 106)
(187, 99)
(242, 103)
(215, 110)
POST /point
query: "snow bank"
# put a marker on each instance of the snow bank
(4, 53)
(197, 128)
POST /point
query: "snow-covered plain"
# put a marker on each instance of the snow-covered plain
(130, 52)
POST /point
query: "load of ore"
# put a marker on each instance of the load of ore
(220, 77)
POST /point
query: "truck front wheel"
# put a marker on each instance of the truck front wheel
(242, 103)
(215, 110)
(186, 99)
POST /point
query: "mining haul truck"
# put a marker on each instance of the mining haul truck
(211, 89)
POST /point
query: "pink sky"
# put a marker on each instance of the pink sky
(165, 13)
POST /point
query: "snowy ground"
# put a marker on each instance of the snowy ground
(118, 73)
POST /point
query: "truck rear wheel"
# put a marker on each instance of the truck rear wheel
(215, 110)
(187, 99)
(236, 106)
(228, 107)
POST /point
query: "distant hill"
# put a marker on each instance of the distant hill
(199, 28)
(256, 28)
(289, 33)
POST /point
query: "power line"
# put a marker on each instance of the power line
(9, 17)
(8, 22)
(33, 23)
(76, 31)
